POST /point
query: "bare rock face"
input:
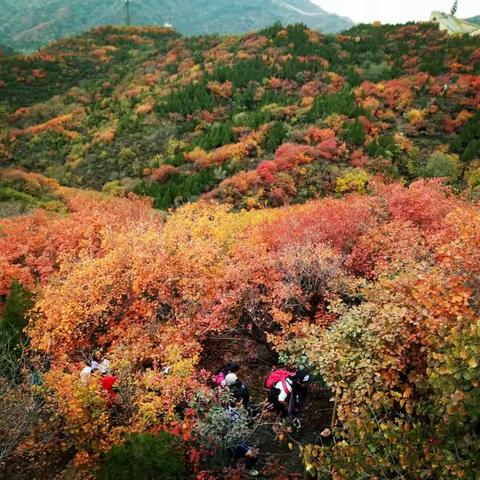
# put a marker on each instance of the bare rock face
(454, 25)
(31, 24)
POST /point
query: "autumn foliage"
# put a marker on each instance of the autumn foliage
(396, 267)
(317, 196)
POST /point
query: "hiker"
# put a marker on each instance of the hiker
(238, 390)
(243, 450)
(232, 367)
(288, 391)
(248, 453)
(108, 382)
(87, 371)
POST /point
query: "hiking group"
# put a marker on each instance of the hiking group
(287, 397)
(107, 379)
(287, 390)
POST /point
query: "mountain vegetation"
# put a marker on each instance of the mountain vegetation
(28, 25)
(275, 117)
(283, 197)
(475, 19)
(4, 50)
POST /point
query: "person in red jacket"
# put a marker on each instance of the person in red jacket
(108, 384)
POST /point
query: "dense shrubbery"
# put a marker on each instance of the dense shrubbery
(442, 165)
(12, 322)
(467, 142)
(21, 192)
(376, 292)
(180, 188)
(341, 103)
(145, 457)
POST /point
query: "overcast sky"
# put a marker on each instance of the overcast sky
(388, 11)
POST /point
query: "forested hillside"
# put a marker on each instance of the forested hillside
(170, 205)
(149, 111)
(28, 25)
(4, 51)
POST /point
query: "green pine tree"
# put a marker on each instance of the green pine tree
(275, 136)
(454, 9)
(12, 323)
(354, 132)
(17, 305)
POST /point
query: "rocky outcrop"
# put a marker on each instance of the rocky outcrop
(454, 25)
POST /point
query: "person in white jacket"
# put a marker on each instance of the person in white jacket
(288, 397)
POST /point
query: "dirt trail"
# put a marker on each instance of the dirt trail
(256, 360)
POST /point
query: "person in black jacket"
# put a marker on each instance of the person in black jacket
(240, 394)
(289, 397)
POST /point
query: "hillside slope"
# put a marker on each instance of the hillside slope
(29, 25)
(274, 117)
(4, 50)
(475, 19)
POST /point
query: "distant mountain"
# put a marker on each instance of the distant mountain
(30, 24)
(6, 51)
(474, 19)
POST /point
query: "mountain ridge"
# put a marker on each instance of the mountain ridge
(475, 19)
(52, 19)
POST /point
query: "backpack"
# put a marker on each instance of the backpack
(220, 378)
(222, 374)
(279, 375)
